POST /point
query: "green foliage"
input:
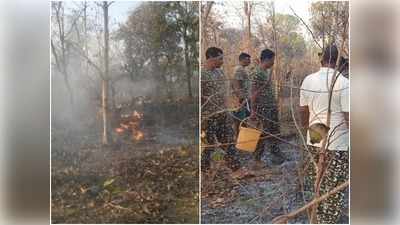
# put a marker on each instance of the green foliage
(328, 20)
(156, 37)
(148, 38)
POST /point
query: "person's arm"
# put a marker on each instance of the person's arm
(236, 85)
(346, 118)
(254, 92)
(304, 109)
(344, 101)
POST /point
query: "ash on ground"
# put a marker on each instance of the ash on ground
(270, 192)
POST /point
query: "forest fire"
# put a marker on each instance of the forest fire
(131, 124)
(138, 136)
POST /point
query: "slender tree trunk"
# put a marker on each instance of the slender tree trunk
(104, 88)
(63, 64)
(187, 63)
(205, 12)
(276, 66)
(86, 37)
(247, 11)
(104, 98)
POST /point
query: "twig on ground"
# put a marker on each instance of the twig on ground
(287, 217)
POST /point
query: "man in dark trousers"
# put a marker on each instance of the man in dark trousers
(264, 106)
(216, 121)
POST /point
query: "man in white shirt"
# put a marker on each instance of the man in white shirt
(314, 101)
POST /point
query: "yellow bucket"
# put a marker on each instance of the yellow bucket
(248, 138)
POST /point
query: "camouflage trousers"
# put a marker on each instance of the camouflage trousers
(267, 114)
(337, 172)
(219, 130)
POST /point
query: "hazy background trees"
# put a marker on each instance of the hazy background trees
(260, 25)
(99, 62)
(124, 102)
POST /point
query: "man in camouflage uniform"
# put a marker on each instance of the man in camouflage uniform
(216, 122)
(241, 89)
(264, 106)
(314, 95)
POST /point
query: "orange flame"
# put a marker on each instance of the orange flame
(138, 135)
(132, 125)
(119, 130)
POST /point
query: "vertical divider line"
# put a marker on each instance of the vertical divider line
(199, 124)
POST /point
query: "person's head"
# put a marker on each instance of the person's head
(267, 59)
(214, 57)
(244, 59)
(329, 56)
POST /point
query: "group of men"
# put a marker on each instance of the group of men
(256, 96)
(257, 101)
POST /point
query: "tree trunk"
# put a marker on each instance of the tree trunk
(104, 93)
(205, 12)
(247, 11)
(86, 37)
(276, 66)
(187, 63)
(104, 97)
(62, 65)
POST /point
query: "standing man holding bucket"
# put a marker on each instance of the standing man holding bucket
(216, 122)
(264, 106)
(241, 89)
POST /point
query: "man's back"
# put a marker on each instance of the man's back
(314, 93)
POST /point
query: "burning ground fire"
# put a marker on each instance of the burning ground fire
(132, 125)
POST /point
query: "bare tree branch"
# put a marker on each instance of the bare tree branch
(308, 28)
(285, 218)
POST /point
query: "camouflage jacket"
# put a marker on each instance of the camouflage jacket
(242, 77)
(213, 91)
(262, 83)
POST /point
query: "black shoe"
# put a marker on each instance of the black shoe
(277, 157)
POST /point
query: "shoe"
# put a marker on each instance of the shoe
(277, 157)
